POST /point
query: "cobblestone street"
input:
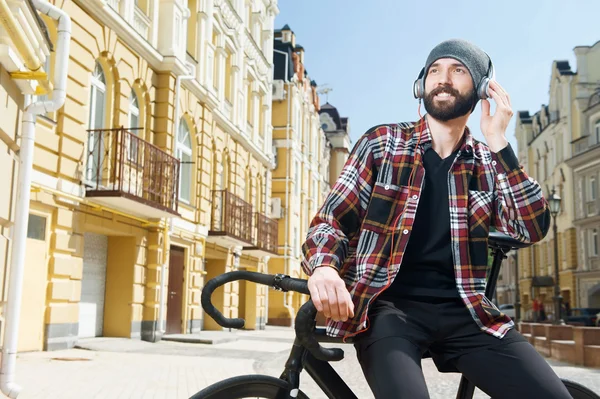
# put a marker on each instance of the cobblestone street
(123, 369)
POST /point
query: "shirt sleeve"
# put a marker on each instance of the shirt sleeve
(340, 217)
(521, 211)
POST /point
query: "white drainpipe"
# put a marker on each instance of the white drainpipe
(19, 238)
(161, 308)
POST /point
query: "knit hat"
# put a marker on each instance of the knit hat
(474, 58)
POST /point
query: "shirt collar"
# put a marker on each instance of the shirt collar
(466, 146)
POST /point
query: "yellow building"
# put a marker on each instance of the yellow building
(153, 176)
(306, 156)
(544, 141)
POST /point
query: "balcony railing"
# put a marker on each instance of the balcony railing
(264, 236)
(232, 217)
(580, 145)
(141, 22)
(122, 165)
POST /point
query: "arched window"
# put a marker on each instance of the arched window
(96, 122)
(97, 98)
(184, 154)
(134, 126)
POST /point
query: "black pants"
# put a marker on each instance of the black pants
(402, 330)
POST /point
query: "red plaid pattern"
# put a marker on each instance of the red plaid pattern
(364, 225)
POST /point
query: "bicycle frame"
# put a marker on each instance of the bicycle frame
(321, 371)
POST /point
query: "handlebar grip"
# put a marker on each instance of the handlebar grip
(294, 284)
(213, 284)
(305, 321)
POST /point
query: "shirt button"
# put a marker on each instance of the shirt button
(405, 231)
(494, 163)
(387, 187)
(415, 197)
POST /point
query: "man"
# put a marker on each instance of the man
(397, 255)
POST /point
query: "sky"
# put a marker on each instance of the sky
(371, 51)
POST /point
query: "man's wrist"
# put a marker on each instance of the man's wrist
(497, 143)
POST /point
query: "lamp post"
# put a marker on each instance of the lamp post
(554, 203)
(517, 292)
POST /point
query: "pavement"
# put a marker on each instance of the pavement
(118, 368)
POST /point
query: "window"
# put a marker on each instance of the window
(229, 78)
(134, 125)
(597, 130)
(96, 121)
(184, 154)
(36, 227)
(297, 178)
(592, 188)
(593, 248)
(296, 250)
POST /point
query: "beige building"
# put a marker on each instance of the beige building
(305, 156)
(585, 163)
(545, 148)
(154, 176)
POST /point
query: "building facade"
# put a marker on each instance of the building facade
(304, 156)
(25, 52)
(154, 176)
(545, 148)
(585, 163)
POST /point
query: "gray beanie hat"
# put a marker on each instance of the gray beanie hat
(474, 58)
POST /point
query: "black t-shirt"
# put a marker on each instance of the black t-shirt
(427, 268)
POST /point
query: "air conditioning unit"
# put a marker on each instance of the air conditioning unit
(278, 90)
(276, 209)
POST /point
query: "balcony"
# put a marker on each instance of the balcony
(580, 145)
(231, 222)
(264, 237)
(141, 22)
(127, 173)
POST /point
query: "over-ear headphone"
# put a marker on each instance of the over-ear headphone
(482, 88)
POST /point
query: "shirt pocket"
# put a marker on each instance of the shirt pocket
(386, 203)
(481, 209)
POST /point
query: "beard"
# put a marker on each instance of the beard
(448, 110)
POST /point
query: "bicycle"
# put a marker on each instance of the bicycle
(307, 354)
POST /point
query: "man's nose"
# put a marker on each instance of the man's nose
(444, 78)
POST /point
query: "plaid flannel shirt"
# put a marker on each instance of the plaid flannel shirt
(353, 229)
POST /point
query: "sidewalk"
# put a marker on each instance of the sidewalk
(116, 368)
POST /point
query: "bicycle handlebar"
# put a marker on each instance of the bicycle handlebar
(277, 281)
(305, 318)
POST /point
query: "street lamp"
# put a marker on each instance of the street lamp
(554, 203)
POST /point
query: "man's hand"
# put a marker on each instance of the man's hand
(494, 127)
(329, 294)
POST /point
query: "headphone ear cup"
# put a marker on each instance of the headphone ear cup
(483, 89)
(418, 88)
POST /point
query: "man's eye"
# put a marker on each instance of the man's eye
(432, 70)
(460, 70)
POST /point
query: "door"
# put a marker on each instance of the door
(35, 280)
(175, 301)
(93, 285)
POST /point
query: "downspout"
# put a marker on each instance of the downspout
(168, 228)
(286, 256)
(15, 287)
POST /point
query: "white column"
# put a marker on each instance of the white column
(154, 13)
